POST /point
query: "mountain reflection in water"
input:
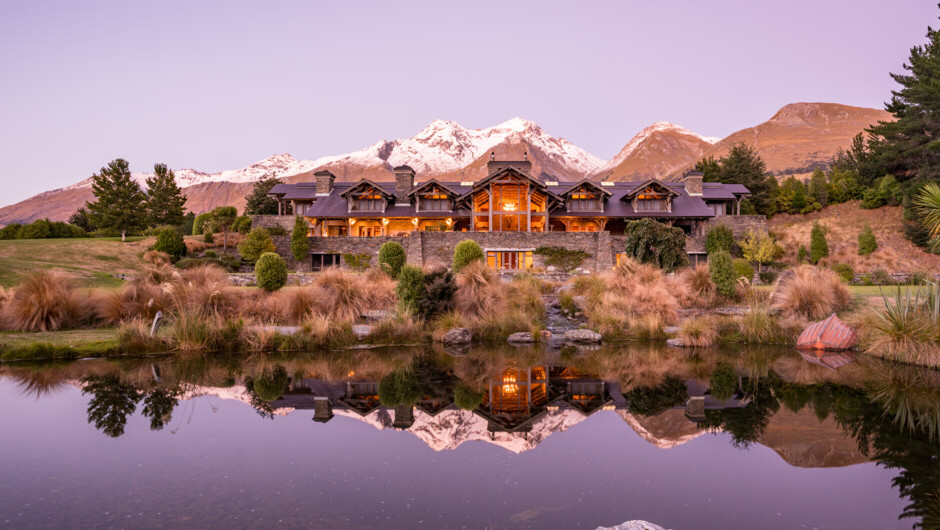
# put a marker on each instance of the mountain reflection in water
(808, 413)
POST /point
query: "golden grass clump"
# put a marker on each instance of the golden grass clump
(136, 299)
(403, 327)
(380, 289)
(699, 332)
(45, 301)
(810, 292)
(693, 287)
(906, 329)
(345, 295)
(479, 291)
(296, 304)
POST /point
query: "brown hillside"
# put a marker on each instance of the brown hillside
(844, 222)
(801, 137)
(660, 155)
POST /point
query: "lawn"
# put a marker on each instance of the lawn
(70, 344)
(91, 261)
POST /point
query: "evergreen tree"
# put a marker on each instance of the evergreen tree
(792, 196)
(119, 201)
(721, 271)
(299, 243)
(258, 201)
(223, 217)
(907, 147)
(80, 219)
(719, 237)
(165, 200)
(742, 165)
(819, 188)
(818, 247)
(843, 186)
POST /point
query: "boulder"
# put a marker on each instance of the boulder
(582, 335)
(521, 337)
(457, 336)
(675, 343)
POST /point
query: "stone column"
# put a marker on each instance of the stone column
(604, 257)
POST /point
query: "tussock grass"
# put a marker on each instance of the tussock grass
(810, 292)
(906, 329)
(344, 295)
(693, 287)
(403, 327)
(479, 291)
(700, 332)
(45, 301)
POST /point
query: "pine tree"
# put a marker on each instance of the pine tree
(118, 201)
(165, 200)
(818, 247)
(258, 201)
(819, 188)
(743, 165)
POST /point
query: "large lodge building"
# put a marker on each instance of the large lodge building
(508, 200)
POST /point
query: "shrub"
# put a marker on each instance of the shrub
(867, 242)
(357, 262)
(10, 231)
(392, 258)
(257, 243)
(467, 398)
(171, 242)
(654, 400)
(649, 241)
(768, 277)
(465, 253)
(810, 292)
(719, 237)
(743, 269)
(278, 230)
(45, 301)
(242, 224)
(723, 382)
(210, 254)
(564, 259)
(399, 388)
(722, 273)
(880, 277)
(202, 223)
(208, 237)
(190, 263)
(801, 254)
(906, 329)
(846, 272)
(410, 287)
(437, 295)
(299, 242)
(818, 248)
(270, 272)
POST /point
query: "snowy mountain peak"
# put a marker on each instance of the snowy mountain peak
(660, 127)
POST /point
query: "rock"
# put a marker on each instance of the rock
(457, 350)
(675, 343)
(671, 330)
(457, 336)
(582, 335)
(521, 337)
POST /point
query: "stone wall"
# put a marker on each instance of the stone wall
(270, 221)
(437, 248)
(739, 224)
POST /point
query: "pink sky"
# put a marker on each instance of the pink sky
(219, 85)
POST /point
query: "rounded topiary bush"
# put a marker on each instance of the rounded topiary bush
(467, 398)
(270, 272)
(270, 386)
(465, 253)
(743, 269)
(722, 273)
(171, 242)
(392, 258)
(723, 382)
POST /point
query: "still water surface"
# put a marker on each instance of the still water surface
(557, 440)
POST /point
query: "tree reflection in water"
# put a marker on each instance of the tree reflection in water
(892, 412)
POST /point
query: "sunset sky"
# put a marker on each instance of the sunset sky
(219, 85)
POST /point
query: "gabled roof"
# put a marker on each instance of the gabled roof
(434, 182)
(586, 182)
(650, 182)
(367, 182)
(481, 183)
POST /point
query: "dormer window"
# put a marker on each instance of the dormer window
(652, 200)
(369, 200)
(434, 201)
(585, 202)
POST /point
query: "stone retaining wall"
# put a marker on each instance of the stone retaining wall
(270, 221)
(739, 224)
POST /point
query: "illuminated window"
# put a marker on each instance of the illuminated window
(650, 200)
(509, 259)
(369, 200)
(585, 202)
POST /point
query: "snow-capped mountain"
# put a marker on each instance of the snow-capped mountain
(655, 152)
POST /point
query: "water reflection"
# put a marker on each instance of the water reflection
(813, 412)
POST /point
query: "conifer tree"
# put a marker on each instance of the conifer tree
(119, 201)
(818, 247)
(258, 201)
(743, 165)
(165, 200)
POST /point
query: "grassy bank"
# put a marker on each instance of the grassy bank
(90, 261)
(70, 344)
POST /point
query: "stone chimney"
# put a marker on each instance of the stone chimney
(325, 181)
(404, 183)
(693, 183)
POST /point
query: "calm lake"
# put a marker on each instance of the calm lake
(383, 439)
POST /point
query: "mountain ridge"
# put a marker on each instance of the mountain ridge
(798, 138)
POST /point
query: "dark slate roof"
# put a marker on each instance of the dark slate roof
(683, 206)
